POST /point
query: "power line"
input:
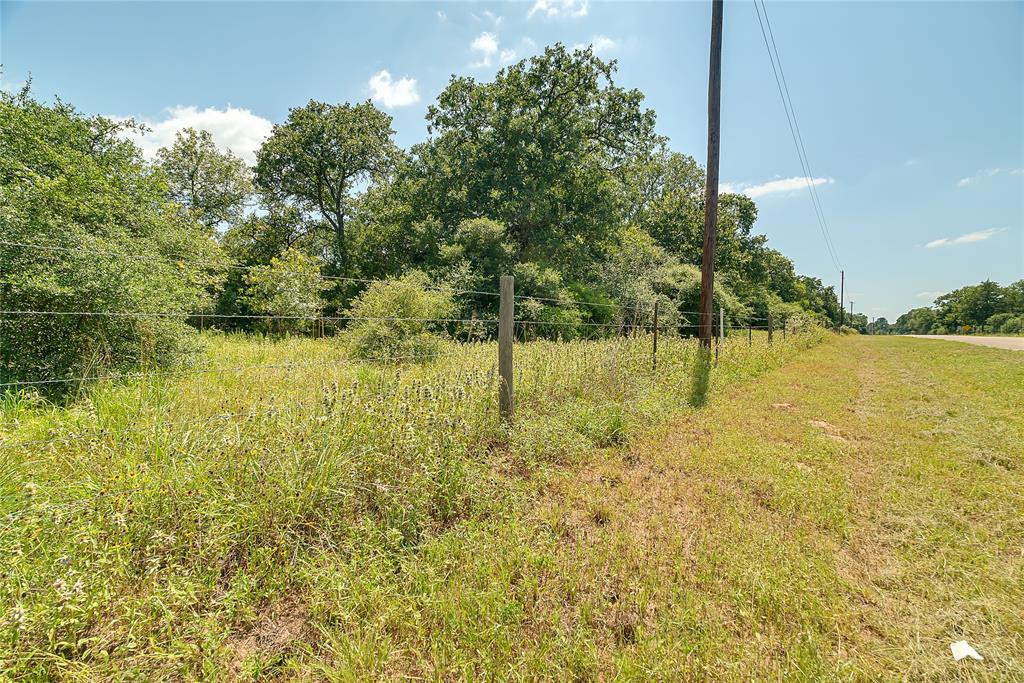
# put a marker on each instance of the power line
(794, 128)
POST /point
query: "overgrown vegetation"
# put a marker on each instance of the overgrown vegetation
(152, 524)
(118, 244)
(359, 521)
(400, 319)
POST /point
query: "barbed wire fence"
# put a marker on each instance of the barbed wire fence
(633, 320)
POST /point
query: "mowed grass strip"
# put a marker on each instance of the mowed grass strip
(845, 518)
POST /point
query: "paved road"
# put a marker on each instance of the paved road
(1012, 343)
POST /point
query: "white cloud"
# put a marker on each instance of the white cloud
(489, 17)
(966, 238)
(980, 175)
(12, 87)
(600, 43)
(441, 16)
(526, 47)
(930, 295)
(392, 93)
(559, 8)
(777, 186)
(237, 130)
(486, 47)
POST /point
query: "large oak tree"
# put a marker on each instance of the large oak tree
(322, 157)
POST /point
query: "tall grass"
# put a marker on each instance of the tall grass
(145, 521)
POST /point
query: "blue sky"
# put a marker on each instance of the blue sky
(912, 113)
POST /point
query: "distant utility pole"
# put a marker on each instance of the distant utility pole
(707, 271)
(842, 296)
(851, 310)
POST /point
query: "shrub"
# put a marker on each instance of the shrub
(801, 323)
(1013, 325)
(399, 319)
(996, 322)
(290, 287)
(115, 245)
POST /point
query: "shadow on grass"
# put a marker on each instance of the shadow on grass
(701, 377)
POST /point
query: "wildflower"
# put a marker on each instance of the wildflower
(18, 618)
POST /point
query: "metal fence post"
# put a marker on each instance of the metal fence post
(506, 321)
(654, 351)
(750, 333)
(721, 322)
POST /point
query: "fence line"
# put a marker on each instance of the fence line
(506, 331)
(505, 365)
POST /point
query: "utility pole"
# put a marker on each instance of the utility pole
(707, 272)
(842, 297)
(851, 310)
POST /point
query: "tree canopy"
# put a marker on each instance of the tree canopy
(552, 172)
(985, 306)
(87, 228)
(321, 157)
(213, 185)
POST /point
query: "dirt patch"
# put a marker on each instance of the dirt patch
(278, 628)
(831, 431)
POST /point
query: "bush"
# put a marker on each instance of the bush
(289, 287)
(399, 319)
(801, 323)
(996, 322)
(115, 245)
(846, 329)
(1013, 325)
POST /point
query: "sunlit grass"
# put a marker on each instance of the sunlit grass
(150, 524)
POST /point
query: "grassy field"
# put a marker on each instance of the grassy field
(835, 511)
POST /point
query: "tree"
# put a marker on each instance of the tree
(541, 150)
(664, 195)
(289, 289)
(320, 159)
(106, 246)
(213, 185)
(916, 321)
(970, 306)
(1013, 297)
(879, 326)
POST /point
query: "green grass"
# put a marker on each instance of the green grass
(837, 511)
(311, 517)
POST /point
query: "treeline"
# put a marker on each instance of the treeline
(985, 308)
(552, 173)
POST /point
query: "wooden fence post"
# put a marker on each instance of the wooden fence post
(654, 352)
(721, 323)
(771, 328)
(783, 329)
(506, 320)
(750, 333)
